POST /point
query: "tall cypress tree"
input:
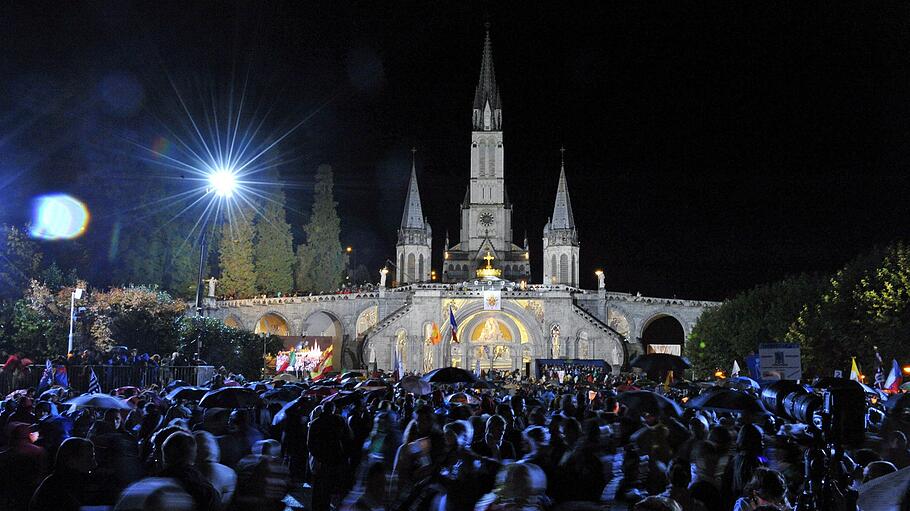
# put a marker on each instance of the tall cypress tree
(235, 251)
(274, 249)
(321, 261)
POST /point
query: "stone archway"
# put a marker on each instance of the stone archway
(322, 324)
(232, 321)
(512, 337)
(663, 333)
(272, 323)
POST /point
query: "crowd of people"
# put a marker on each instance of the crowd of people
(515, 444)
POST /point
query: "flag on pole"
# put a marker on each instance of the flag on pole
(47, 378)
(735, 372)
(324, 366)
(94, 386)
(854, 370)
(893, 383)
(454, 326)
(435, 336)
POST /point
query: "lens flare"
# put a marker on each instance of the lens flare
(58, 217)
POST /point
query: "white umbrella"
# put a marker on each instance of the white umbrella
(99, 401)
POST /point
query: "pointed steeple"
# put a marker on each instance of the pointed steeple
(412, 218)
(562, 209)
(487, 105)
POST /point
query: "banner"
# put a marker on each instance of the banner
(780, 361)
(492, 300)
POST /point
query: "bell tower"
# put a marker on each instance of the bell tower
(486, 212)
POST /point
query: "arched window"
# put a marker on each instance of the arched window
(483, 158)
(412, 267)
(492, 157)
(401, 268)
(564, 269)
(420, 276)
(554, 269)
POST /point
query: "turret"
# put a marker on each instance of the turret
(415, 237)
(560, 238)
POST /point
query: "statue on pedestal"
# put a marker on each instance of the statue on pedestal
(212, 282)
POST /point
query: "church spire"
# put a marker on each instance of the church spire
(412, 218)
(487, 105)
(562, 209)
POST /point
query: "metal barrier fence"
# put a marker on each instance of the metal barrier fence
(110, 377)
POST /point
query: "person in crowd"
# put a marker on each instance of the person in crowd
(493, 445)
(179, 457)
(896, 449)
(117, 455)
(369, 494)
(327, 442)
(749, 456)
(766, 488)
(519, 487)
(262, 480)
(155, 494)
(68, 487)
(221, 477)
(22, 467)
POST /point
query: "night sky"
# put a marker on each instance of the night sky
(709, 146)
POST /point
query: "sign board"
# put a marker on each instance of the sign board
(838, 373)
(780, 361)
(492, 300)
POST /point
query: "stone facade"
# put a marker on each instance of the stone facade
(372, 326)
(556, 319)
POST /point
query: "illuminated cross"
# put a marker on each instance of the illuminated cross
(489, 259)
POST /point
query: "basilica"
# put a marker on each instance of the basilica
(487, 308)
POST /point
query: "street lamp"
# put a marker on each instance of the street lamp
(222, 183)
(75, 295)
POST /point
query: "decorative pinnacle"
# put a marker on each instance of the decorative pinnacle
(562, 156)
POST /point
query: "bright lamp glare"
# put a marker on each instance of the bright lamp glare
(223, 183)
(58, 217)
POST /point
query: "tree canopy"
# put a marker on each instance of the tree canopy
(321, 261)
(273, 252)
(235, 249)
(866, 304)
(736, 328)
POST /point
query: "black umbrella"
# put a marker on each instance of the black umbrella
(449, 375)
(296, 406)
(230, 397)
(415, 385)
(284, 394)
(660, 362)
(343, 398)
(726, 400)
(190, 393)
(645, 401)
(173, 384)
